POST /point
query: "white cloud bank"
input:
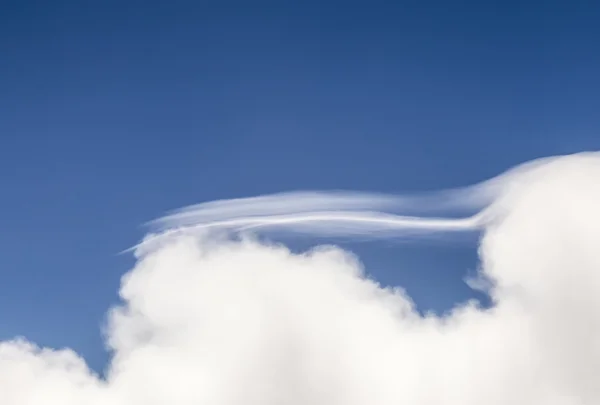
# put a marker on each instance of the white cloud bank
(208, 319)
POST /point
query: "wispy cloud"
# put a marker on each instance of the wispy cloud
(330, 213)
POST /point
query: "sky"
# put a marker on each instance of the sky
(113, 113)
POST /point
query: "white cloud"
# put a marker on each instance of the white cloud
(208, 319)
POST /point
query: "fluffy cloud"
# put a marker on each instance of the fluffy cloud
(211, 319)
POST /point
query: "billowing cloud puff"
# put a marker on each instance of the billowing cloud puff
(213, 315)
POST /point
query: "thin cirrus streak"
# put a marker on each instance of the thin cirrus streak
(348, 214)
(351, 214)
(331, 213)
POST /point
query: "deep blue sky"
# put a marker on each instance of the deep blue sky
(112, 112)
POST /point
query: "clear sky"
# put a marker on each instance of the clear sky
(113, 112)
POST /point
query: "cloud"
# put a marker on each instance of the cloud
(330, 213)
(208, 318)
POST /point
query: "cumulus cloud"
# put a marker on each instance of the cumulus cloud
(208, 318)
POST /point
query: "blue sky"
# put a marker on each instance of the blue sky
(113, 113)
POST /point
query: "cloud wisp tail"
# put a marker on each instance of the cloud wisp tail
(329, 214)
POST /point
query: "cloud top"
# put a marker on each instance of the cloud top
(211, 319)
